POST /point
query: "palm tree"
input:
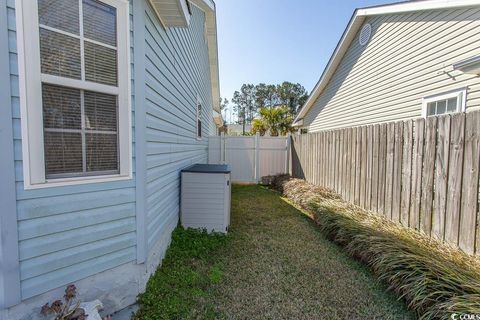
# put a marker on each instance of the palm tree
(277, 121)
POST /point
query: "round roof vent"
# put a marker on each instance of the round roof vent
(365, 34)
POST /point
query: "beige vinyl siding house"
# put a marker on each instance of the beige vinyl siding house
(410, 58)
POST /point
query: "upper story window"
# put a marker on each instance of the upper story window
(199, 120)
(74, 73)
(450, 102)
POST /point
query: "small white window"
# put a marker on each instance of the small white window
(74, 86)
(199, 120)
(450, 102)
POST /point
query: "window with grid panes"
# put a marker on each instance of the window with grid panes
(82, 56)
(444, 103)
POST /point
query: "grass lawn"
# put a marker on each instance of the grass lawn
(274, 264)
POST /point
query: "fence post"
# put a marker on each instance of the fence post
(222, 148)
(288, 168)
(257, 158)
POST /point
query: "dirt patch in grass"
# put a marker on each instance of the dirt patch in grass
(274, 264)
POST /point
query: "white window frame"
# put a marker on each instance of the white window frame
(460, 94)
(30, 86)
(198, 116)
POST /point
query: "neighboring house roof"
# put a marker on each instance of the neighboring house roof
(174, 13)
(352, 29)
(236, 129)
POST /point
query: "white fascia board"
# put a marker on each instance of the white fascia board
(298, 123)
(204, 4)
(185, 13)
(209, 8)
(416, 6)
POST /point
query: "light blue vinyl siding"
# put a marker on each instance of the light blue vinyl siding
(176, 72)
(10, 270)
(73, 232)
(67, 233)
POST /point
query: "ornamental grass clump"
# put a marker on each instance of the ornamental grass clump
(434, 279)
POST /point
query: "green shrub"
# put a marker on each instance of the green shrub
(435, 279)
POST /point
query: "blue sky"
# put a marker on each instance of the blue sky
(272, 41)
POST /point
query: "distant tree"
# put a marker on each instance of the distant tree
(244, 104)
(277, 121)
(292, 95)
(266, 96)
(248, 102)
(223, 107)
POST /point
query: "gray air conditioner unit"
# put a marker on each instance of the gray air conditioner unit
(205, 197)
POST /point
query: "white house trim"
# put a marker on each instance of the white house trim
(416, 6)
(9, 262)
(79, 84)
(354, 26)
(172, 13)
(30, 80)
(204, 3)
(140, 129)
(209, 8)
(460, 94)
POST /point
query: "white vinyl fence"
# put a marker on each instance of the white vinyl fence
(251, 157)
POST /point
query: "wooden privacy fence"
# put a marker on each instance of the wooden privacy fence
(250, 157)
(421, 173)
